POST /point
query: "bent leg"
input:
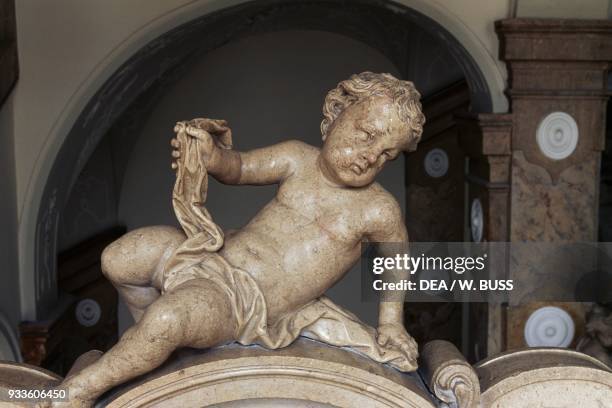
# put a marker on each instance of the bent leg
(195, 314)
(134, 264)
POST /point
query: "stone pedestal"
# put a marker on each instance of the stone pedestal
(303, 374)
(544, 378)
(314, 375)
(16, 376)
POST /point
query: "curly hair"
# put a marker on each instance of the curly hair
(367, 84)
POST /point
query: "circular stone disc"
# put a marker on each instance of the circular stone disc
(549, 326)
(557, 135)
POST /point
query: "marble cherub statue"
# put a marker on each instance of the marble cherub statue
(265, 283)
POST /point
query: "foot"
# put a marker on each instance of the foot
(74, 401)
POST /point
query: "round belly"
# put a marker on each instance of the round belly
(290, 270)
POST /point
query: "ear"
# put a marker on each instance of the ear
(327, 129)
(413, 143)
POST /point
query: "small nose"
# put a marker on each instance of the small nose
(370, 157)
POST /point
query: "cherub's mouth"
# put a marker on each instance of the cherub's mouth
(358, 169)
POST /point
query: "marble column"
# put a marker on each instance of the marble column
(435, 204)
(435, 171)
(557, 72)
(485, 139)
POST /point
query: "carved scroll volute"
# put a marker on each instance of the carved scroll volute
(451, 378)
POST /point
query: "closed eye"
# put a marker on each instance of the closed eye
(366, 136)
(389, 155)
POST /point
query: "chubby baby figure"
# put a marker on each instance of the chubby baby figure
(265, 283)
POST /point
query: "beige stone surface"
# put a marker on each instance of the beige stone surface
(544, 378)
(305, 374)
(547, 210)
(311, 374)
(19, 376)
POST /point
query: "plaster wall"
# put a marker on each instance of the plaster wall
(583, 9)
(67, 49)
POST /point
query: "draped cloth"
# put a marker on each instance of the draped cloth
(198, 258)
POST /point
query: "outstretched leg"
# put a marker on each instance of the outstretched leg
(195, 314)
(134, 264)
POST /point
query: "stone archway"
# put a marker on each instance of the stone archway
(381, 24)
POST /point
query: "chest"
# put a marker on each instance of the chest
(337, 213)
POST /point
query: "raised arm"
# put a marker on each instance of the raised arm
(268, 165)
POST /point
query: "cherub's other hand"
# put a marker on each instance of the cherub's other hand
(394, 335)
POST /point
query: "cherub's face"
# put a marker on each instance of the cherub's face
(362, 139)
